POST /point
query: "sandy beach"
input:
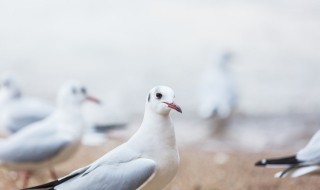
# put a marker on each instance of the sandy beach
(210, 162)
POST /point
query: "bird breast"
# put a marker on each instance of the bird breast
(167, 167)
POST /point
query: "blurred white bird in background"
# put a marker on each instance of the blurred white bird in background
(147, 161)
(306, 161)
(217, 94)
(17, 110)
(50, 141)
(100, 120)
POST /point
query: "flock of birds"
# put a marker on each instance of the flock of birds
(39, 136)
(42, 140)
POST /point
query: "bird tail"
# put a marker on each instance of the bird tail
(297, 171)
(51, 185)
(108, 127)
(47, 186)
(279, 162)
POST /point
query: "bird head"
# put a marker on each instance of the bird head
(9, 86)
(74, 93)
(161, 100)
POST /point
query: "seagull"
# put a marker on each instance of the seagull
(147, 161)
(306, 161)
(50, 141)
(17, 110)
(100, 121)
(102, 117)
(217, 93)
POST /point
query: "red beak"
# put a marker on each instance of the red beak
(93, 99)
(174, 106)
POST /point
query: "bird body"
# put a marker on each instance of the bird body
(147, 161)
(16, 109)
(50, 141)
(217, 93)
(165, 154)
(306, 161)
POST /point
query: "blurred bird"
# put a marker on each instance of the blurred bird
(217, 93)
(100, 120)
(147, 161)
(306, 161)
(50, 141)
(17, 110)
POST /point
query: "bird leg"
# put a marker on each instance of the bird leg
(26, 177)
(53, 174)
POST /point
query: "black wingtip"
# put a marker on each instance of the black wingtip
(46, 186)
(261, 163)
(290, 160)
(52, 184)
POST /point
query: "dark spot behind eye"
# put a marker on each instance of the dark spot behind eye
(149, 98)
(159, 95)
(6, 83)
(84, 90)
(74, 90)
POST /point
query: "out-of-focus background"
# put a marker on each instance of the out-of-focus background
(121, 49)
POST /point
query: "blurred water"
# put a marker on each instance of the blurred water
(121, 49)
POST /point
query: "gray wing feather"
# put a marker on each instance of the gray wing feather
(19, 123)
(25, 111)
(121, 176)
(32, 150)
(312, 151)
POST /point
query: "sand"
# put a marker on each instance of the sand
(199, 170)
(212, 162)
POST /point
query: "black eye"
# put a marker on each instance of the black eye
(159, 95)
(84, 90)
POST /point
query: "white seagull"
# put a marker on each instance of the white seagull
(100, 120)
(50, 141)
(306, 161)
(17, 110)
(217, 93)
(147, 161)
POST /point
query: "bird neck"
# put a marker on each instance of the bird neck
(69, 112)
(71, 121)
(157, 130)
(69, 107)
(10, 96)
(152, 118)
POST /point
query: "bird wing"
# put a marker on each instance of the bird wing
(35, 143)
(24, 112)
(311, 152)
(32, 150)
(297, 171)
(122, 168)
(18, 123)
(52, 184)
(279, 162)
(125, 176)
